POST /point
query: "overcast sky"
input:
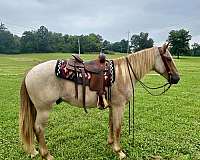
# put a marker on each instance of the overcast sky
(110, 18)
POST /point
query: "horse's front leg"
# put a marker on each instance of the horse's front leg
(117, 115)
(110, 134)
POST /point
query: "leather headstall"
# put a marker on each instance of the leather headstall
(166, 60)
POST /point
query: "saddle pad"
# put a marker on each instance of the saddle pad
(62, 70)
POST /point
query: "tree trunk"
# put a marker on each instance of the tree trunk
(178, 55)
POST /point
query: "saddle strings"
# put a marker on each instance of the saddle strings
(147, 88)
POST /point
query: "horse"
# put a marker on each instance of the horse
(41, 88)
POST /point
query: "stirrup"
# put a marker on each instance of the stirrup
(105, 103)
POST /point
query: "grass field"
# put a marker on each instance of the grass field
(166, 126)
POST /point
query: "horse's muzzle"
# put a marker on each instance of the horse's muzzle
(174, 79)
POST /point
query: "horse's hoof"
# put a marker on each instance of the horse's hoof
(121, 155)
(49, 157)
(156, 157)
(34, 154)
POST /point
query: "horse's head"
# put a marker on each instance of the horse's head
(164, 65)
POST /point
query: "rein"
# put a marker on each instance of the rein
(147, 88)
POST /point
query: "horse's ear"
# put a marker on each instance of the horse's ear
(167, 45)
(164, 47)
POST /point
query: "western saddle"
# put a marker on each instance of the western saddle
(95, 74)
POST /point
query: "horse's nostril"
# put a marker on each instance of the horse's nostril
(175, 79)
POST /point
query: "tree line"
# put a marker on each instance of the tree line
(44, 41)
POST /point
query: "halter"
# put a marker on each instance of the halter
(147, 88)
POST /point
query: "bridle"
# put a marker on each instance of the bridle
(165, 60)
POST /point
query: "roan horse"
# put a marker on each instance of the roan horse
(41, 88)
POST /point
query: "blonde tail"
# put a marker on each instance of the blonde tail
(27, 118)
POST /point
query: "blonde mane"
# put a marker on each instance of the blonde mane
(142, 61)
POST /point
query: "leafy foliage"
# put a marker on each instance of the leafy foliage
(120, 46)
(179, 40)
(8, 42)
(195, 51)
(42, 41)
(45, 41)
(141, 41)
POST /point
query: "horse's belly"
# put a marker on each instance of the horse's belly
(69, 96)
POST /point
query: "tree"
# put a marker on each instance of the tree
(179, 41)
(116, 47)
(17, 44)
(107, 45)
(121, 46)
(141, 41)
(43, 39)
(124, 45)
(91, 43)
(8, 42)
(29, 42)
(195, 51)
(56, 42)
(2, 27)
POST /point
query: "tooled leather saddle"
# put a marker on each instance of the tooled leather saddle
(97, 74)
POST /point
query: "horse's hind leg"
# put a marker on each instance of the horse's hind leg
(40, 124)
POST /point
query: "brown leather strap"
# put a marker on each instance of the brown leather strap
(84, 87)
(101, 82)
(166, 64)
(76, 80)
(77, 58)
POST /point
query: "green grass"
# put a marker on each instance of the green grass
(167, 125)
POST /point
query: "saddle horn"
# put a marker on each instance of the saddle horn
(102, 56)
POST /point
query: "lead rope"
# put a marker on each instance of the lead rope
(146, 88)
(133, 122)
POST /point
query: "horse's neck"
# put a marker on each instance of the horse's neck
(142, 62)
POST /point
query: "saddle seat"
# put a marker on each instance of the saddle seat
(94, 66)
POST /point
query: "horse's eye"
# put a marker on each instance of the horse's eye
(168, 58)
